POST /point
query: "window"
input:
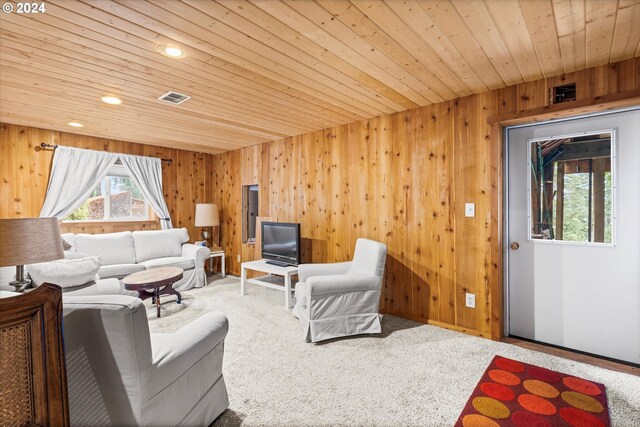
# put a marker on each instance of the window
(249, 212)
(571, 192)
(115, 198)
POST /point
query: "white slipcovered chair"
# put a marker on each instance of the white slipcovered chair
(119, 374)
(341, 299)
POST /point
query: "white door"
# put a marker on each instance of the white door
(573, 234)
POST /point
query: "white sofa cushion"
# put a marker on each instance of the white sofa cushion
(76, 255)
(159, 243)
(65, 272)
(100, 287)
(113, 248)
(170, 261)
(119, 270)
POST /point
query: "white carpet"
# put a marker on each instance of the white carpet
(412, 374)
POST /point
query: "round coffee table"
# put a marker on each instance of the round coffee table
(158, 280)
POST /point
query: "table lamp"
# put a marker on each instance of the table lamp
(207, 216)
(28, 241)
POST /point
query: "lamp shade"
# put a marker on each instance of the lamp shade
(207, 215)
(29, 241)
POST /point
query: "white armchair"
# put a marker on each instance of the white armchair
(341, 299)
(119, 374)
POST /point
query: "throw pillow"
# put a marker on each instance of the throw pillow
(65, 245)
(65, 273)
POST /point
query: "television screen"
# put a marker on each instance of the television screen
(281, 242)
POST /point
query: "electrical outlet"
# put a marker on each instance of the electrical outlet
(239, 259)
(470, 210)
(470, 300)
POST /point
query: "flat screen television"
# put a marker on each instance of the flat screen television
(281, 243)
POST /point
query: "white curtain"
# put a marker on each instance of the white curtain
(76, 172)
(74, 175)
(146, 172)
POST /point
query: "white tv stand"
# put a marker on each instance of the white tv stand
(262, 266)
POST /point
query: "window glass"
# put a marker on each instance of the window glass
(571, 188)
(126, 199)
(116, 198)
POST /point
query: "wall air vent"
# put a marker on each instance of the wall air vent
(563, 93)
(174, 98)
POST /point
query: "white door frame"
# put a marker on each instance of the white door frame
(505, 195)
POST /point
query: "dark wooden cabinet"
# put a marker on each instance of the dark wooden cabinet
(33, 382)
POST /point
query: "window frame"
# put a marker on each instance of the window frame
(249, 221)
(614, 190)
(117, 170)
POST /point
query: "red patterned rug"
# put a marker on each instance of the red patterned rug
(512, 393)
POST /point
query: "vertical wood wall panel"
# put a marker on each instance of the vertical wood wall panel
(404, 179)
(24, 170)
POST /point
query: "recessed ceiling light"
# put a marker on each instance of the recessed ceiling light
(75, 124)
(111, 100)
(171, 51)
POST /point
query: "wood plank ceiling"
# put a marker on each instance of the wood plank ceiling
(261, 70)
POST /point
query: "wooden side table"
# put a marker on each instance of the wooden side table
(217, 254)
(159, 280)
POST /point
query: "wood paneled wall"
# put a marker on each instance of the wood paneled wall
(404, 179)
(24, 170)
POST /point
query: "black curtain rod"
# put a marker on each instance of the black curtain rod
(45, 146)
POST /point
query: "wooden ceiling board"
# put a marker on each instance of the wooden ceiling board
(279, 30)
(477, 17)
(447, 18)
(261, 70)
(425, 43)
(624, 37)
(209, 67)
(277, 48)
(325, 22)
(320, 78)
(56, 69)
(371, 20)
(58, 109)
(144, 69)
(512, 26)
(225, 54)
(217, 41)
(538, 15)
(331, 43)
(564, 19)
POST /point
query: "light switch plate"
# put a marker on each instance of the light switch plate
(239, 259)
(470, 210)
(470, 300)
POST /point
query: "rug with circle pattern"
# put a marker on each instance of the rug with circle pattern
(512, 393)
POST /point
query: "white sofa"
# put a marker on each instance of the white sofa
(119, 374)
(128, 252)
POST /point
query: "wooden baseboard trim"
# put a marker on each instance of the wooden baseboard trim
(440, 324)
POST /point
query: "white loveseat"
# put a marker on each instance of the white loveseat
(128, 252)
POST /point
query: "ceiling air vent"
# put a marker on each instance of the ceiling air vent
(174, 98)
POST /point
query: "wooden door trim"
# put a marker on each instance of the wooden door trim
(575, 108)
